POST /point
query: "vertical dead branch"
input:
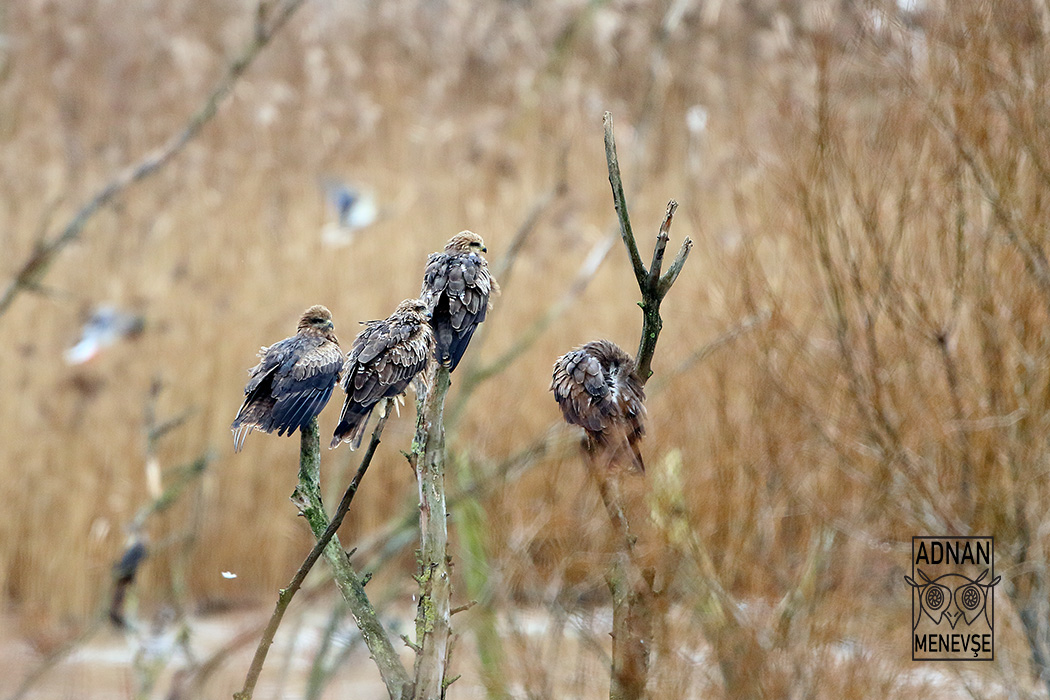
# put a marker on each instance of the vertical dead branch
(434, 612)
(651, 283)
(631, 587)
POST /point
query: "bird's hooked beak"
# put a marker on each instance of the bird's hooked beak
(329, 326)
(484, 249)
(428, 313)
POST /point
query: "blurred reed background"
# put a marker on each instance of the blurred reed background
(866, 184)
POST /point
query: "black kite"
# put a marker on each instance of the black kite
(456, 288)
(293, 380)
(382, 362)
(597, 389)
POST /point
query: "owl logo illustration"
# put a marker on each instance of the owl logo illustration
(951, 597)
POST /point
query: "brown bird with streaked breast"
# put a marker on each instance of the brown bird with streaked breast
(384, 359)
(597, 389)
(456, 289)
(293, 380)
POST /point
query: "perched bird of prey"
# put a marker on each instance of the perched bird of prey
(354, 208)
(456, 288)
(107, 325)
(597, 389)
(293, 380)
(384, 359)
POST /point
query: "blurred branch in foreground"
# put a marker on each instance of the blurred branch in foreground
(390, 541)
(32, 270)
(186, 474)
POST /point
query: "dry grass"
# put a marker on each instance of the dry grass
(879, 188)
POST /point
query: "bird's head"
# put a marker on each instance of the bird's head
(413, 307)
(466, 242)
(318, 318)
(611, 356)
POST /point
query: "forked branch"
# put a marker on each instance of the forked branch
(307, 497)
(651, 283)
(631, 586)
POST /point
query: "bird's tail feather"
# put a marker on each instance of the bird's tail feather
(351, 426)
(622, 453)
(637, 454)
(240, 432)
(451, 350)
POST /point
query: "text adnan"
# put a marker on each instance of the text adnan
(978, 553)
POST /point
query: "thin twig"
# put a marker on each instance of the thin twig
(745, 325)
(503, 268)
(661, 244)
(33, 269)
(620, 202)
(671, 275)
(185, 476)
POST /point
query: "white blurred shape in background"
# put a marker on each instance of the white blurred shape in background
(107, 325)
(354, 208)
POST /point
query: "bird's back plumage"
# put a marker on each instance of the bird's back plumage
(456, 289)
(597, 389)
(293, 381)
(384, 359)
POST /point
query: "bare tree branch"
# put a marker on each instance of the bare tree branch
(620, 202)
(434, 611)
(289, 591)
(631, 587)
(661, 245)
(33, 269)
(671, 275)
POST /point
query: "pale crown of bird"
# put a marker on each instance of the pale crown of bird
(466, 242)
